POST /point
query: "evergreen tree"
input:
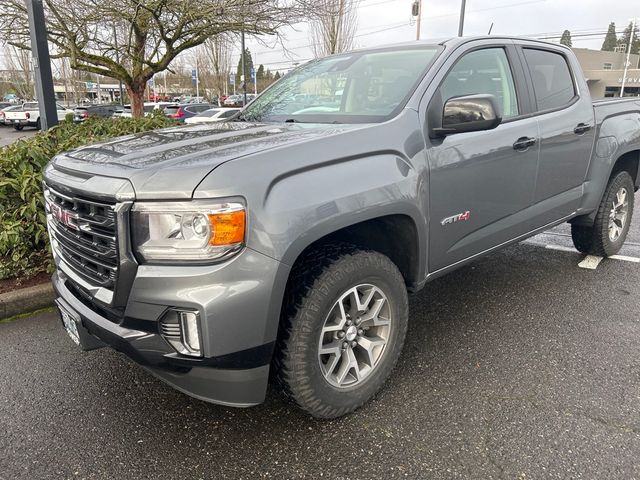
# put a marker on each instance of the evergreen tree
(260, 73)
(276, 76)
(248, 62)
(566, 38)
(268, 75)
(625, 40)
(611, 40)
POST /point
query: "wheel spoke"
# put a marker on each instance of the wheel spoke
(372, 317)
(347, 364)
(371, 346)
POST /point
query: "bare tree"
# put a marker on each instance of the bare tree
(218, 52)
(19, 64)
(131, 40)
(333, 26)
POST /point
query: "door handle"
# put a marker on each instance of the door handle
(523, 143)
(582, 128)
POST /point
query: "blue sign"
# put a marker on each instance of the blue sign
(253, 74)
(232, 78)
(194, 76)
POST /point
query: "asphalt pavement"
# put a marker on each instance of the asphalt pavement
(522, 365)
(8, 134)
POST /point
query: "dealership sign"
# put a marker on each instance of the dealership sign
(630, 80)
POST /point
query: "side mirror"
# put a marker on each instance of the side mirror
(471, 113)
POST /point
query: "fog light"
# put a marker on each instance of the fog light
(181, 329)
(190, 331)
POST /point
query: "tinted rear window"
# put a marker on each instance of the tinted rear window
(552, 81)
(171, 110)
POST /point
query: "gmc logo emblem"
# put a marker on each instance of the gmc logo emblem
(64, 217)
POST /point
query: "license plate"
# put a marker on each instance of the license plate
(70, 325)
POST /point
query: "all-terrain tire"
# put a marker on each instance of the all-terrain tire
(595, 239)
(316, 285)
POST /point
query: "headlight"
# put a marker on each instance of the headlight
(187, 231)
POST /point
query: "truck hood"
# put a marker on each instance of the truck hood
(170, 163)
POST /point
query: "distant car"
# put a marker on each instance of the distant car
(238, 100)
(213, 115)
(12, 108)
(29, 115)
(185, 110)
(148, 108)
(83, 112)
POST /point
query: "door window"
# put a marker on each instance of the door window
(484, 71)
(551, 77)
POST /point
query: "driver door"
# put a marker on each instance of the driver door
(480, 183)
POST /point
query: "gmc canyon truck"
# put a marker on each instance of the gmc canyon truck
(281, 245)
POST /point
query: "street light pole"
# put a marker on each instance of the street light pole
(418, 20)
(244, 70)
(461, 24)
(626, 63)
(115, 43)
(42, 65)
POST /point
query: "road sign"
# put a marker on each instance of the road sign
(232, 78)
(253, 74)
(194, 76)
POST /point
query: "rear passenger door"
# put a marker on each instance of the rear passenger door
(564, 112)
(484, 177)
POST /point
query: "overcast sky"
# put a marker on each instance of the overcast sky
(389, 21)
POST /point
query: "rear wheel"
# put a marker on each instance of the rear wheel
(609, 231)
(344, 331)
(18, 127)
(38, 125)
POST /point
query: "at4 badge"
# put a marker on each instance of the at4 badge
(460, 217)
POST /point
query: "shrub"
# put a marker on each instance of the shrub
(24, 244)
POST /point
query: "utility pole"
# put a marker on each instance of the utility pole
(244, 71)
(197, 81)
(627, 62)
(115, 43)
(416, 11)
(42, 65)
(461, 24)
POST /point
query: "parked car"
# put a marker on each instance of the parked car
(287, 240)
(213, 115)
(83, 112)
(185, 110)
(238, 100)
(29, 115)
(149, 107)
(3, 112)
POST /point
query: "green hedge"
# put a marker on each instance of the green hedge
(24, 244)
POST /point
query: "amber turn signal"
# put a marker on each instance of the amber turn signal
(227, 228)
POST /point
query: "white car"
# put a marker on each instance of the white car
(29, 115)
(149, 107)
(213, 115)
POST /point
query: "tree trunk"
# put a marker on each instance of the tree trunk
(136, 96)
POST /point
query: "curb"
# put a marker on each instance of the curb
(26, 300)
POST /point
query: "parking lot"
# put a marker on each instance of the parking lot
(8, 134)
(522, 365)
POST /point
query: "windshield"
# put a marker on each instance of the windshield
(358, 87)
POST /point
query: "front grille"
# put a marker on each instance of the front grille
(83, 233)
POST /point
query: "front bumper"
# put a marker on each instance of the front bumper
(235, 367)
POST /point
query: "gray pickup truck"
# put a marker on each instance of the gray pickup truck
(281, 244)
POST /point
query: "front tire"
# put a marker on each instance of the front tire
(609, 231)
(344, 330)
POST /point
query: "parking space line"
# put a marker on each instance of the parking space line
(625, 258)
(562, 248)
